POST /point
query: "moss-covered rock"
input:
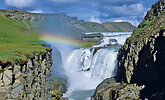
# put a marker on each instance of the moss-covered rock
(55, 95)
(59, 85)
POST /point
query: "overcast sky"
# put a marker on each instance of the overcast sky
(89, 10)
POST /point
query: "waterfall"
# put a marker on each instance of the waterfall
(85, 68)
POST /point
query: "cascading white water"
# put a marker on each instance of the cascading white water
(86, 68)
(89, 68)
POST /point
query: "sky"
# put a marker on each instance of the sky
(89, 10)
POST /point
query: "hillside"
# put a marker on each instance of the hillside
(18, 40)
(119, 26)
(63, 24)
(25, 63)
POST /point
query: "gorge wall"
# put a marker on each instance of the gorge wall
(27, 81)
(141, 61)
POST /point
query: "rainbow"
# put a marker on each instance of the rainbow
(60, 40)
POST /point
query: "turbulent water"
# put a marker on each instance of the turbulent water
(85, 68)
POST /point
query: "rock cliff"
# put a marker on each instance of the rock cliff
(141, 60)
(27, 81)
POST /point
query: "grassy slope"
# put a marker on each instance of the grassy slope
(17, 41)
(143, 27)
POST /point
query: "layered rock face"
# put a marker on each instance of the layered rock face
(28, 81)
(142, 59)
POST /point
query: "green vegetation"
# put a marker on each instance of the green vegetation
(144, 26)
(17, 41)
(88, 43)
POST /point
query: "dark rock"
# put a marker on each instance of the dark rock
(112, 40)
(93, 36)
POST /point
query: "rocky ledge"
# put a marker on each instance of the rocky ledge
(28, 81)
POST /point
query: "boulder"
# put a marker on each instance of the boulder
(109, 89)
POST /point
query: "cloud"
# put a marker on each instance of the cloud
(19, 3)
(93, 19)
(119, 21)
(122, 11)
(36, 11)
(65, 1)
(117, 2)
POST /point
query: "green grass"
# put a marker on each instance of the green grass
(141, 28)
(17, 41)
(150, 25)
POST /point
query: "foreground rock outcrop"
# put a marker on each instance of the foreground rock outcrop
(141, 61)
(27, 81)
(109, 89)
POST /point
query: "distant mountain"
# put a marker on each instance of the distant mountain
(65, 25)
(119, 26)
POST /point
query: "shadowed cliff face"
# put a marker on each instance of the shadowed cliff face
(150, 67)
(142, 59)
